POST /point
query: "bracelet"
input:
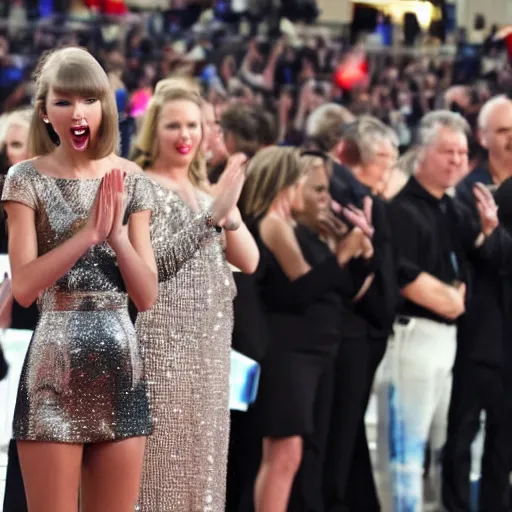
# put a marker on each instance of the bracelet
(210, 222)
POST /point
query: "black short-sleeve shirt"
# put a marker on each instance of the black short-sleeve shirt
(432, 235)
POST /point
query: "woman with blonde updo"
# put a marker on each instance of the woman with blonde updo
(187, 335)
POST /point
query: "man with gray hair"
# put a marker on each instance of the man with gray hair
(434, 239)
(481, 377)
(368, 149)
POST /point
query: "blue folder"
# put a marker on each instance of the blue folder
(244, 379)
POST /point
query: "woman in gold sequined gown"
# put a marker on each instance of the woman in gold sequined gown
(186, 337)
(82, 411)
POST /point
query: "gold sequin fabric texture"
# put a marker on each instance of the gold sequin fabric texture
(82, 379)
(186, 339)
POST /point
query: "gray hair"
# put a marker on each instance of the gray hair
(488, 107)
(407, 162)
(324, 125)
(366, 134)
(431, 123)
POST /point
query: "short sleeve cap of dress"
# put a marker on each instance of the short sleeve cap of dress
(19, 185)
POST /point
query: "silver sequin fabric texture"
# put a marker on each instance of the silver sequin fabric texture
(82, 380)
(186, 341)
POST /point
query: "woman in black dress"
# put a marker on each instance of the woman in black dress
(294, 293)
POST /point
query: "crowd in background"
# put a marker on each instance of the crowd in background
(361, 123)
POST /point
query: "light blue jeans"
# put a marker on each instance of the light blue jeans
(413, 398)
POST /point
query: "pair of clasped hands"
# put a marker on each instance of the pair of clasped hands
(352, 242)
(105, 221)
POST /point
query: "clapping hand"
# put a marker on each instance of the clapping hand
(99, 223)
(105, 222)
(487, 209)
(354, 245)
(359, 218)
(224, 211)
(331, 226)
(119, 231)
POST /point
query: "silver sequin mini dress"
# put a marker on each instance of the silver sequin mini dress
(82, 379)
(186, 340)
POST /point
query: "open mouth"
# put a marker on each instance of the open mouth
(80, 137)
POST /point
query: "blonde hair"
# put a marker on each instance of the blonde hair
(408, 161)
(326, 124)
(177, 82)
(73, 71)
(167, 90)
(309, 162)
(20, 117)
(271, 170)
(362, 138)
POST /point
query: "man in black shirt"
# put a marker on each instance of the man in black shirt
(481, 377)
(434, 238)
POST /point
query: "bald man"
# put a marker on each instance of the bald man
(482, 376)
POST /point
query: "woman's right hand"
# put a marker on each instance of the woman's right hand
(229, 187)
(101, 217)
(353, 245)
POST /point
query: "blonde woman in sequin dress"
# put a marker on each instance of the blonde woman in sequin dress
(82, 411)
(186, 337)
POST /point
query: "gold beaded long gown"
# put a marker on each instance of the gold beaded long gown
(186, 340)
(82, 380)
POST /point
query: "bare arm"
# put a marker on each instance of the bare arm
(270, 69)
(241, 250)
(31, 275)
(132, 245)
(137, 262)
(307, 284)
(434, 295)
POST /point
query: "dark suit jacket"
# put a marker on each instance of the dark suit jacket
(484, 330)
(375, 312)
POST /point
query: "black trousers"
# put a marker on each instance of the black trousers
(348, 474)
(14, 498)
(477, 387)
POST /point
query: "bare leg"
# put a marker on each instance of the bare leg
(279, 465)
(111, 475)
(51, 474)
